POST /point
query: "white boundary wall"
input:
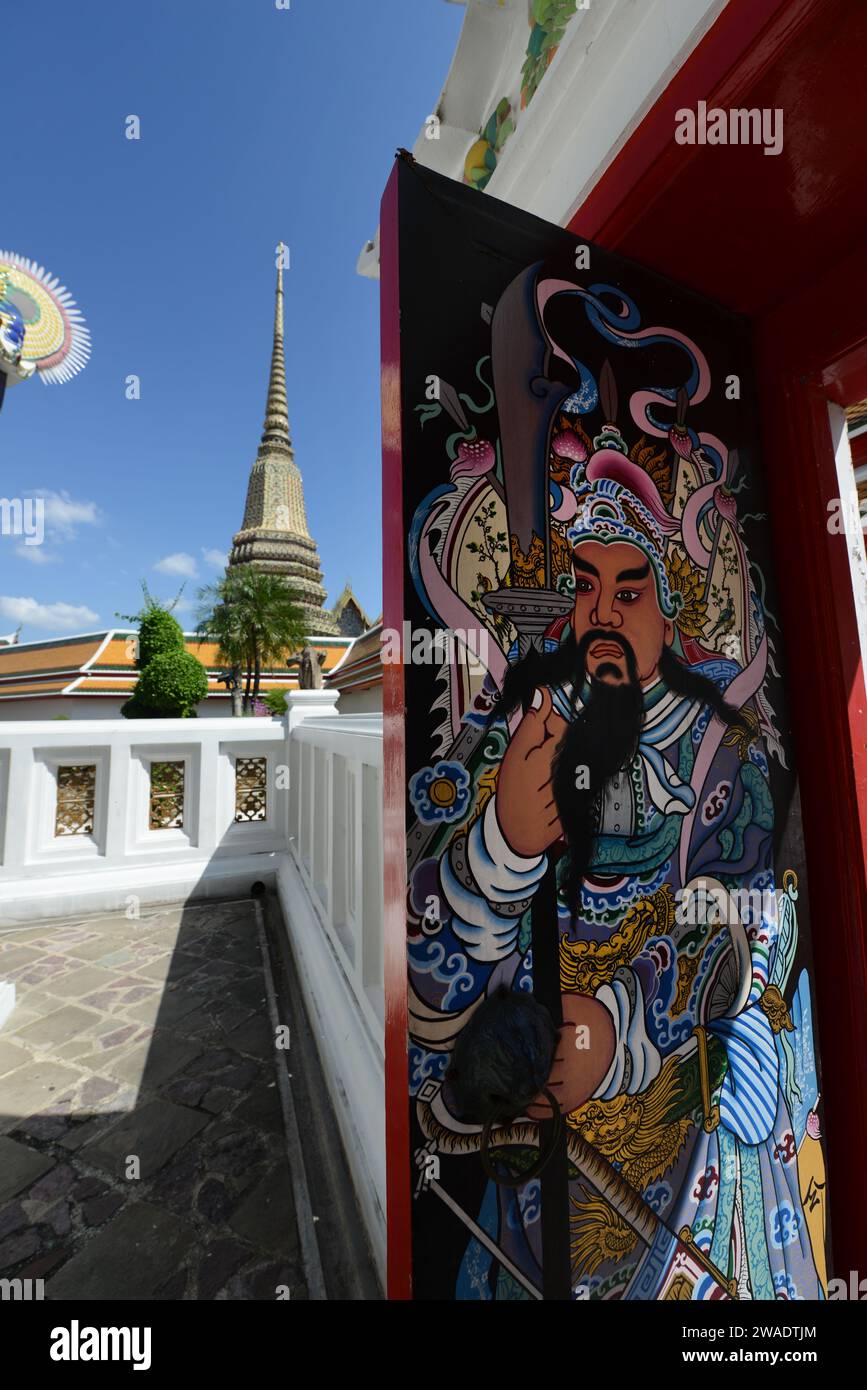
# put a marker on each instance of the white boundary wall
(320, 844)
(331, 890)
(46, 876)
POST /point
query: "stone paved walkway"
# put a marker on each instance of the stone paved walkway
(143, 1039)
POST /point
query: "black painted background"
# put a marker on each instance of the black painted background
(458, 250)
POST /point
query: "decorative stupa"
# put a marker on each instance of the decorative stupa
(274, 536)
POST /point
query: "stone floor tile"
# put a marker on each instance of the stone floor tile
(19, 1167)
(97, 1210)
(56, 1182)
(90, 950)
(253, 1038)
(12, 1218)
(262, 1109)
(150, 1064)
(175, 1063)
(164, 1009)
(42, 969)
(217, 1264)
(210, 1021)
(136, 1252)
(31, 1089)
(11, 1056)
(18, 1247)
(79, 982)
(13, 957)
(114, 1039)
(154, 1132)
(27, 934)
(266, 1282)
(169, 968)
(31, 1002)
(266, 1217)
(55, 1029)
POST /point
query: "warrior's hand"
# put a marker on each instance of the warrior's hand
(584, 1055)
(526, 809)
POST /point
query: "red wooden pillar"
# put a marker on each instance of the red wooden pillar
(808, 351)
(811, 347)
(394, 770)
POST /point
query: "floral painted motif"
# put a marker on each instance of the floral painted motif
(440, 793)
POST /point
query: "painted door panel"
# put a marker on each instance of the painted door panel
(574, 492)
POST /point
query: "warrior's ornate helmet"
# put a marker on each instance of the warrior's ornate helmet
(610, 498)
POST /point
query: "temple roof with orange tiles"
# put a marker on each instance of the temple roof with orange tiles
(103, 664)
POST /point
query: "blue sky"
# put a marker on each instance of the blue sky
(257, 125)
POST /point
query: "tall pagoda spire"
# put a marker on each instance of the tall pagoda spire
(274, 536)
(275, 435)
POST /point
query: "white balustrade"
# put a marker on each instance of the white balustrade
(335, 839)
(319, 842)
(45, 874)
(331, 889)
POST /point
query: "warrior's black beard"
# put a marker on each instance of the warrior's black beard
(602, 738)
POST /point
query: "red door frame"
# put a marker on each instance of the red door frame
(810, 348)
(803, 363)
(398, 1199)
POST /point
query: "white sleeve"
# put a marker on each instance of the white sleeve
(500, 873)
(488, 887)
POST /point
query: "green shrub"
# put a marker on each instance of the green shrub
(169, 687)
(276, 701)
(135, 708)
(159, 633)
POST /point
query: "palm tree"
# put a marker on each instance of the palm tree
(254, 619)
(220, 622)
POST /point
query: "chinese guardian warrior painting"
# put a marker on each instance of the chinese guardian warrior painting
(613, 1077)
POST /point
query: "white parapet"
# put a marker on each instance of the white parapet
(293, 802)
(50, 867)
(331, 891)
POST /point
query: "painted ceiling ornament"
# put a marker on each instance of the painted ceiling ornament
(11, 334)
(42, 332)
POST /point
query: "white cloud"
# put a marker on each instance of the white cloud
(37, 554)
(179, 563)
(63, 515)
(63, 617)
(218, 559)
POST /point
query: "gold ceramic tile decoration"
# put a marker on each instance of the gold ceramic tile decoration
(167, 796)
(76, 795)
(251, 796)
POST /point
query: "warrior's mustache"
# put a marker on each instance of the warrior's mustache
(611, 644)
(565, 665)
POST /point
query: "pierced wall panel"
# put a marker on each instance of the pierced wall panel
(166, 796)
(76, 799)
(251, 789)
